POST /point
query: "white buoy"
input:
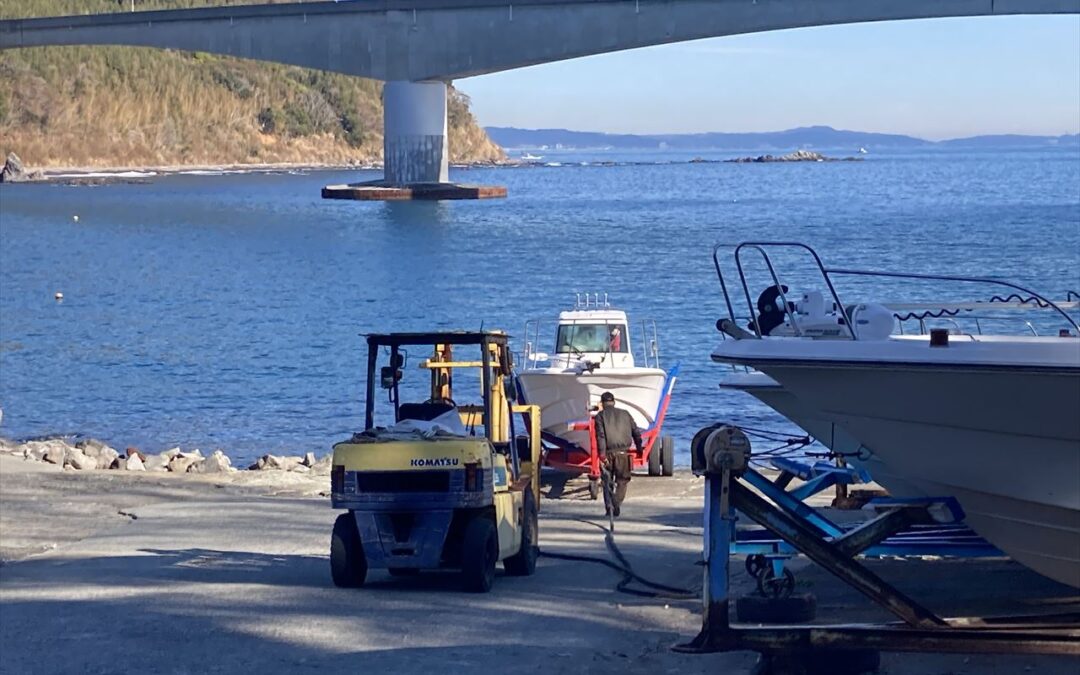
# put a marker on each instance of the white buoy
(59, 295)
(75, 218)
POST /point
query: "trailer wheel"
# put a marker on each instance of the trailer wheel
(655, 468)
(523, 563)
(479, 553)
(667, 456)
(348, 566)
(594, 489)
(756, 564)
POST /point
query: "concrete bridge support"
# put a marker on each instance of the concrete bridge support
(414, 133)
(416, 157)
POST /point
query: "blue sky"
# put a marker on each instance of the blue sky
(940, 78)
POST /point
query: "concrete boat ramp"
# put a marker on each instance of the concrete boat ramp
(209, 576)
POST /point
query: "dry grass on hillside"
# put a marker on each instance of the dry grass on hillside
(125, 106)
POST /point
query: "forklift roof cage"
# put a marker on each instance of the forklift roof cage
(394, 341)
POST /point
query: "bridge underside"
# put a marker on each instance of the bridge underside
(416, 40)
(421, 41)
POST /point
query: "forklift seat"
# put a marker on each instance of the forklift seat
(423, 412)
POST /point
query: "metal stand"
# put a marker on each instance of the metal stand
(795, 648)
(905, 528)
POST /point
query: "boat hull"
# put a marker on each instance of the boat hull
(566, 397)
(1004, 441)
(823, 429)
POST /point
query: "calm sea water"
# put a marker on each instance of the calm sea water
(225, 311)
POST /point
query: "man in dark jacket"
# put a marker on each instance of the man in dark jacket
(615, 434)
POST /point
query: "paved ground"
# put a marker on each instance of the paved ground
(215, 579)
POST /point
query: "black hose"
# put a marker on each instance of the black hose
(629, 575)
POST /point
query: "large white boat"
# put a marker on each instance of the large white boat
(592, 354)
(990, 420)
(822, 428)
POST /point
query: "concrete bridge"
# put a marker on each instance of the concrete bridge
(417, 46)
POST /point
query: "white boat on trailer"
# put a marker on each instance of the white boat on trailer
(593, 354)
(989, 419)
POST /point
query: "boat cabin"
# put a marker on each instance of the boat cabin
(592, 335)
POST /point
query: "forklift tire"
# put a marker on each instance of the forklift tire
(594, 489)
(523, 563)
(348, 566)
(667, 456)
(654, 458)
(479, 553)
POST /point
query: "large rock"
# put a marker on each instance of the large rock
(39, 451)
(170, 453)
(134, 463)
(56, 451)
(217, 462)
(184, 461)
(132, 450)
(13, 171)
(35, 453)
(155, 462)
(276, 463)
(101, 453)
(309, 459)
(322, 466)
(77, 459)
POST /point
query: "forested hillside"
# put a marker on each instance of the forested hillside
(124, 106)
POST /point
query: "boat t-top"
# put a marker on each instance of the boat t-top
(594, 353)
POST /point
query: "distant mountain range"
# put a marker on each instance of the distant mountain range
(819, 137)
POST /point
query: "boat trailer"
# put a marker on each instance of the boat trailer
(723, 458)
(567, 457)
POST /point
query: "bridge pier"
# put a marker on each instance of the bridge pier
(416, 158)
(414, 133)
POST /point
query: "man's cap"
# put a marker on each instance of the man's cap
(607, 397)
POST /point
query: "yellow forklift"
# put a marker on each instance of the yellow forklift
(445, 484)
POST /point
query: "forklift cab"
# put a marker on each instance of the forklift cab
(493, 416)
(442, 481)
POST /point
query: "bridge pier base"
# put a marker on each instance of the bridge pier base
(416, 160)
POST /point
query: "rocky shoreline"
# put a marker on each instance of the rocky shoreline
(14, 171)
(94, 455)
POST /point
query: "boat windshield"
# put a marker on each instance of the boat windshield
(592, 337)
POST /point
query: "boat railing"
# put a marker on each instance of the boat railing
(924, 326)
(1025, 297)
(650, 344)
(591, 301)
(530, 352)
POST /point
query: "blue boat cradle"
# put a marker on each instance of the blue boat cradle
(734, 490)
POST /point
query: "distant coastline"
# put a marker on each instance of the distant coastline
(815, 137)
